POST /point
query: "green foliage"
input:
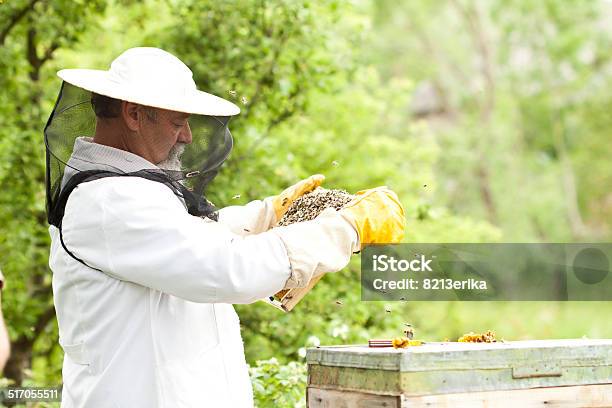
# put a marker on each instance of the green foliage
(517, 87)
(269, 58)
(277, 385)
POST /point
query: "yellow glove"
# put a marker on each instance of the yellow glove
(283, 201)
(377, 215)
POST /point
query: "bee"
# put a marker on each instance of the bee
(285, 201)
(246, 230)
(409, 331)
(244, 100)
(232, 93)
(387, 310)
(235, 197)
(339, 302)
(335, 163)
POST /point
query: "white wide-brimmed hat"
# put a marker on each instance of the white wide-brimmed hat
(153, 77)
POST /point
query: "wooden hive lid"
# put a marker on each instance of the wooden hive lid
(452, 355)
(439, 368)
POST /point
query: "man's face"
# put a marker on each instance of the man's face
(164, 135)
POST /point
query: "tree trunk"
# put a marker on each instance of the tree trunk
(486, 195)
(20, 359)
(568, 180)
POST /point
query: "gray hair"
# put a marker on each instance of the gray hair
(107, 107)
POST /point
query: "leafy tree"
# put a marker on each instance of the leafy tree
(514, 87)
(31, 32)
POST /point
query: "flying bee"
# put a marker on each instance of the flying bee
(335, 163)
(232, 93)
(244, 100)
(235, 197)
(339, 302)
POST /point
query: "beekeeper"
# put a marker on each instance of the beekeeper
(145, 269)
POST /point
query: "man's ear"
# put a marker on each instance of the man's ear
(130, 113)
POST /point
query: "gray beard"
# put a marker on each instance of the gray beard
(173, 162)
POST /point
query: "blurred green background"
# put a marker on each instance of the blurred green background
(490, 119)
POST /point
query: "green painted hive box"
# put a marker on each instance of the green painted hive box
(567, 373)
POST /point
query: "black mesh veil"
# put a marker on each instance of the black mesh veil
(73, 117)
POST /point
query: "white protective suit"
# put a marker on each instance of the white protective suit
(156, 328)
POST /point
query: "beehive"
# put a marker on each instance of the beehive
(565, 373)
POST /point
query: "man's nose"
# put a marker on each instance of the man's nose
(185, 134)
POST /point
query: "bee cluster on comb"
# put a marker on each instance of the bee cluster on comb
(308, 206)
